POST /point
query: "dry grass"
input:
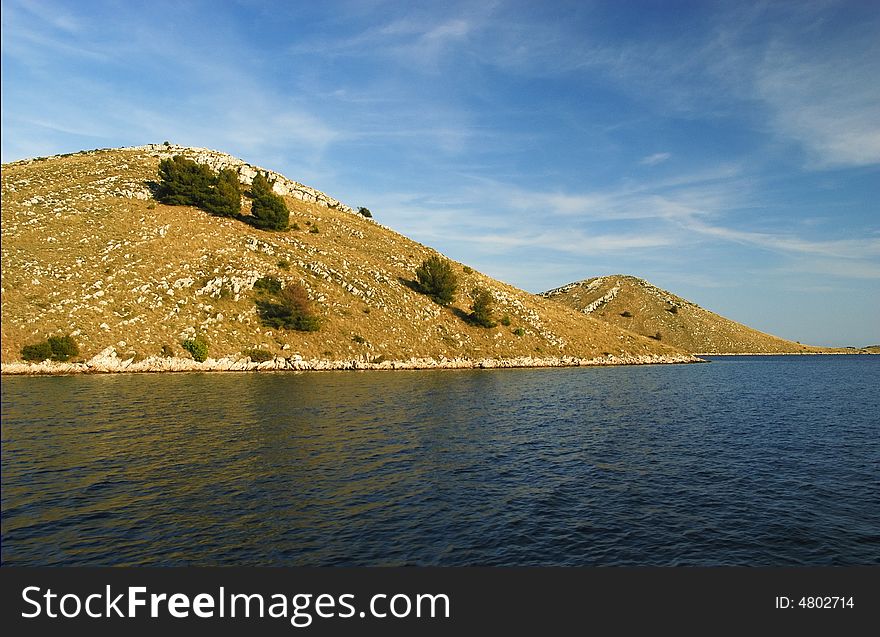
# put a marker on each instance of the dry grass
(636, 305)
(87, 251)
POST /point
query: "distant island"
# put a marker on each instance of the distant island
(106, 267)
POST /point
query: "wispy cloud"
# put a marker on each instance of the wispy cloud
(656, 158)
(843, 269)
(839, 248)
(826, 100)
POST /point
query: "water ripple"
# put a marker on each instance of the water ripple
(752, 461)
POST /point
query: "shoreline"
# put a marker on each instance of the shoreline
(853, 353)
(108, 362)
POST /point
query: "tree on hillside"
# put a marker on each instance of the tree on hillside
(291, 310)
(225, 198)
(56, 348)
(481, 309)
(269, 211)
(436, 279)
(184, 182)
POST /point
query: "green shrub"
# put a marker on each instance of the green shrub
(225, 198)
(269, 284)
(183, 182)
(56, 348)
(63, 347)
(436, 279)
(292, 310)
(310, 323)
(468, 270)
(284, 264)
(505, 320)
(37, 352)
(259, 355)
(519, 331)
(365, 212)
(357, 338)
(167, 351)
(269, 212)
(481, 308)
(198, 347)
(295, 226)
(314, 230)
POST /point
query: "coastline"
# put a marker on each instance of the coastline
(836, 353)
(108, 362)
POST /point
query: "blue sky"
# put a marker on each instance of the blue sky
(729, 152)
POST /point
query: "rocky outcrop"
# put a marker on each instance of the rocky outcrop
(246, 172)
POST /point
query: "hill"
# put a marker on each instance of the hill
(636, 305)
(87, 251)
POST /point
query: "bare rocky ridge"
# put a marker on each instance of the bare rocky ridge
(87, 251)
(636, 305)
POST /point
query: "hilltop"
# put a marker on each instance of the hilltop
(640, 307)
(88, 251)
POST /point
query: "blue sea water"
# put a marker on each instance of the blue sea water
(743, 461)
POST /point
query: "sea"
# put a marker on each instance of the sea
(746, 460)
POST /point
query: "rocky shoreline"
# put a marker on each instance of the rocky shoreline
(108, 362)
(829, 353)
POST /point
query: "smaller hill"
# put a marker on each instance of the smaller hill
(636, 305)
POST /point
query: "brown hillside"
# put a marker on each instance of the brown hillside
(87, 251)
(636, 305)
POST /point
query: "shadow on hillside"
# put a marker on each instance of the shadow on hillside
(464, 316)
(272, 314)
(411, 284)
(458, 312)
(153, 186)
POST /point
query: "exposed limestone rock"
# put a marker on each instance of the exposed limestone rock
(246, 172)
(108, 362)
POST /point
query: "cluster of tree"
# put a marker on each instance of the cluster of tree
(56, 348)
(288, 308)
(184, 182)
(436, 278)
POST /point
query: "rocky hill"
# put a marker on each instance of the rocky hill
(636, 305)
(87, 251)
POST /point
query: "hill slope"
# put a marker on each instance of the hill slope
(87, 251)
(636, 305)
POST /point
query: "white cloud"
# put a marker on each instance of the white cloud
(839, 248)
(828, 101)
(656, 158)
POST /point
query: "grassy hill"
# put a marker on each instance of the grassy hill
(636, 305)
(87, 251)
